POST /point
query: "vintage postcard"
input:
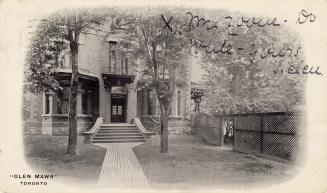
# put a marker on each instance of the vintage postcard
(163, 96)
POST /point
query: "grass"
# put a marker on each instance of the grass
(190, 163)
(48, 154)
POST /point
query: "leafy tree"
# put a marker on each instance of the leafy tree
(64, 26)
(243, 82)
(40, 62)
(161, 56)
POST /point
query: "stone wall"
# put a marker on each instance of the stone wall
(175, 124)
(32, 128)
(58, 124)
(32, 123)
(179, 130)
(207, 126)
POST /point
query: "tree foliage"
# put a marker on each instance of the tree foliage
(63, 27)
(251, 81)
(40, 61)
(161, 56)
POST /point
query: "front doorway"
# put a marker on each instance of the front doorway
(118, 108)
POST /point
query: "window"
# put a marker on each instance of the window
(112, 57)
(179, 103)
(113, 65)
(58, 48)
(126, 65)
(122, 65)
(114, 110)
(120, 110)
(63, 100)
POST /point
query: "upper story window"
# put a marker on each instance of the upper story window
(113, 61)
(118, 62)
(113, 57)
(58, 52)
(126, 65)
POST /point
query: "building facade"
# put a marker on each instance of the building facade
(105, 76)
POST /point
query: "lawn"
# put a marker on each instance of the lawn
(190, 163)
(48, 154)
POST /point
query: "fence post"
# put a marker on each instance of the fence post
(261, 133)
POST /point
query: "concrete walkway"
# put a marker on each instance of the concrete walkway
(121, 168)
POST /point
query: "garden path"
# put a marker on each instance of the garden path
(121, 168)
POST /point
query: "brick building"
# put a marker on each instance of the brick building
(105, 73)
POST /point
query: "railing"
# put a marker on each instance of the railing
(88, 135)
(147, 134)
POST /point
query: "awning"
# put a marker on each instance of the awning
(68, 75)
(117, 79)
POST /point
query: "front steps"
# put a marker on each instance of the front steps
(117, 133)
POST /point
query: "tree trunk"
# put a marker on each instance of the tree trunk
(164, 132)
(72, 116)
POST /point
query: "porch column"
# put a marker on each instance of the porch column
(46, 119)
(145, 101)
(131, 105)
(173, 104)
(108, 105)
(79, 100)
(45, 102)
(89, 103)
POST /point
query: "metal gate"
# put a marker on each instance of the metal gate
(228, 131)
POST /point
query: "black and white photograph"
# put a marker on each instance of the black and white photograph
(163, 96)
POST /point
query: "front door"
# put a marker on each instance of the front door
(118, 109)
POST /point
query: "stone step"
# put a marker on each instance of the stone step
(117, 125)
(119, 131)
(117, 137)
(118, 141)
(118, 134)
(116, 128)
